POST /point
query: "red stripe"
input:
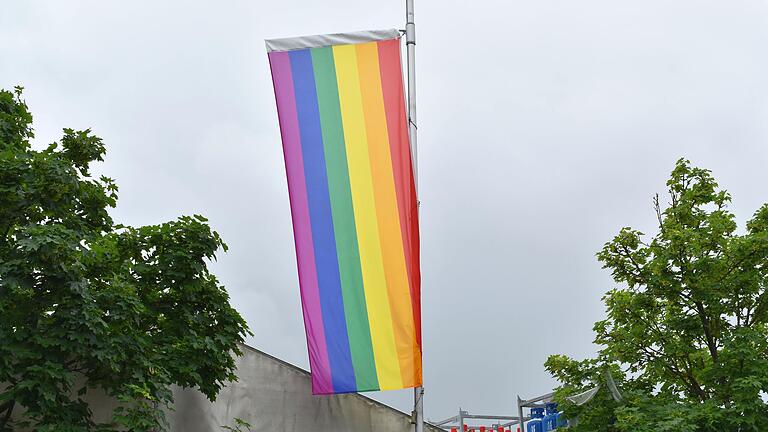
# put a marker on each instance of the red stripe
(407, 204)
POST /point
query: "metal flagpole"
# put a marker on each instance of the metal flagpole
(410, 48)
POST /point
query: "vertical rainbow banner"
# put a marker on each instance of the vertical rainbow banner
(353, 201)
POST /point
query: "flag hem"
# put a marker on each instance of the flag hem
(316, 41)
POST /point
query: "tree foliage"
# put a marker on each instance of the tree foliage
(87, 304)
(686, 332)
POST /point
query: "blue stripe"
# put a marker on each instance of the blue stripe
(321, 219)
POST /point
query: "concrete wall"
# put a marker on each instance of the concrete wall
(273, 396)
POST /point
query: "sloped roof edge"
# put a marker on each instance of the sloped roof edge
(308, 374)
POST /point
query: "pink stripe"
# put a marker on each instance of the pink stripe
(302, 230)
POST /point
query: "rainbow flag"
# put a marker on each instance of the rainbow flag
(353, 201)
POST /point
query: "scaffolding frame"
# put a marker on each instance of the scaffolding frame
(458, 421)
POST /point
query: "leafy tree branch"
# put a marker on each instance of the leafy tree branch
(86, 303)
(685, 331)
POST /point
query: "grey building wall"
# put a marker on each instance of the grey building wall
(273, 396)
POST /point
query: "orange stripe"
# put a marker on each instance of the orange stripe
(395, 269)
(394, 105)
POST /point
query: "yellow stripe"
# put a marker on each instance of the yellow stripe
(361, 185)
(395, 269)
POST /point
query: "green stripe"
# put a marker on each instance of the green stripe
(344, 220)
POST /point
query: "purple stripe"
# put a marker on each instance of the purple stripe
(302, 229)
(320, 215)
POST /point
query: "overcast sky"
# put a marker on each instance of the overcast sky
(545, 126)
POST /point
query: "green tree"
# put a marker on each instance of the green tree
(686, 334)
(87, 304)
